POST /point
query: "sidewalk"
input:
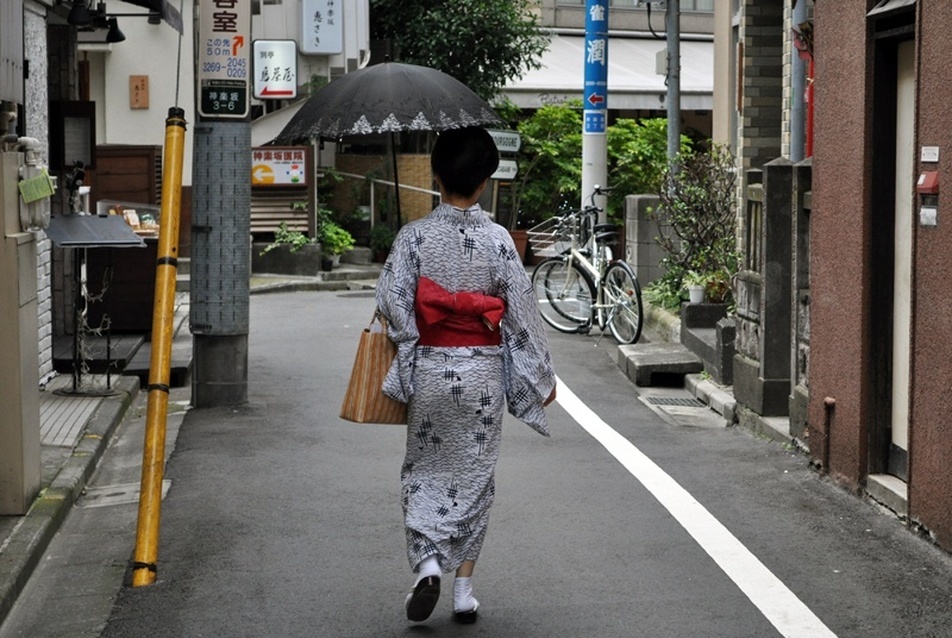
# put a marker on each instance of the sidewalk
(76, 428)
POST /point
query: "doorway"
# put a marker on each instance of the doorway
(892, 230)
(898, 453)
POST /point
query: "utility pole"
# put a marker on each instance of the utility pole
(673, 30)
(221, 219)
(595, 107)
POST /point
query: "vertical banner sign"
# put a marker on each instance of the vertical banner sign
(596, 66)
(595, 106)
(224, 39)
(322, 26)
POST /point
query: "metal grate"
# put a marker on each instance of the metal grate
(678, 401)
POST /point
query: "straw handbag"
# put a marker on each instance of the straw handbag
(365, 401)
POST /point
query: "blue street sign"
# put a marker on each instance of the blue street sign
(596, 66)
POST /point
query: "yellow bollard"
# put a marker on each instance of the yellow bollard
(163, 315)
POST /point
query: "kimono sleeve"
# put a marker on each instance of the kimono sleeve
(396, 292)
(530, 377)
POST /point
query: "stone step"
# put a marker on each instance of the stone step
(357, 255)
(648, 364)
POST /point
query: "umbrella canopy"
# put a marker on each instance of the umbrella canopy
(388, 98)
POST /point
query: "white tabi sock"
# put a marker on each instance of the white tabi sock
(463, 594)
(429, 566)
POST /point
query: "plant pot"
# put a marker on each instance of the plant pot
(521, 239)
(280, 260)
(327, 263)
(696, 294)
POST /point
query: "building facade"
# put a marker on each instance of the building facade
(881, 331)
(858, 138)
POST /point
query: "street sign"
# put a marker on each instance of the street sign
(596, 67)
(507, 170)
(224, 36)
(322, 26)
(275, 69)
(507, 141)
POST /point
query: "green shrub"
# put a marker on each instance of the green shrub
(698, 225)
(294, 239)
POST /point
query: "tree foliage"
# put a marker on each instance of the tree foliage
(550, 161)
(698, 223)
(482, 43)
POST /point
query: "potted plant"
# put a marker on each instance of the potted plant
(718, 286)
(335, 241)
(696, 284)
(290, 253)
(714, 286)
(381, 240)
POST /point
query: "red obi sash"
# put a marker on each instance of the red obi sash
(456, 319)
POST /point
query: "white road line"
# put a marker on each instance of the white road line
(776, 602)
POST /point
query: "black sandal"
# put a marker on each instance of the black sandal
(466, 617)
(422, 599)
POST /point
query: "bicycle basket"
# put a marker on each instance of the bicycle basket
(553, 236)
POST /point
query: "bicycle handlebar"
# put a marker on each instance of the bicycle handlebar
(598, 190)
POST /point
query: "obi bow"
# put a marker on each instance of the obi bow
(456, 319)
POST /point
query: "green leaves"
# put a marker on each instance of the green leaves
(482, 43)
(550, 162)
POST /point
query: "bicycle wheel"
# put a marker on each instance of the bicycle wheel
(564, 294)
(622, 296)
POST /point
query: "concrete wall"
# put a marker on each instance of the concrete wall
(36, 98)
(930, 494)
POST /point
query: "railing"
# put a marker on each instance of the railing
(373, 196)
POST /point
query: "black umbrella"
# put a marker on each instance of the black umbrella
(388, 98)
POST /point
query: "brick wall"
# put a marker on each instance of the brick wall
(412, 170)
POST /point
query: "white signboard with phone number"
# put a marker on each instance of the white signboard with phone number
(224, 42)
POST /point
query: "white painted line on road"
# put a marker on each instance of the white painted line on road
(775, 601)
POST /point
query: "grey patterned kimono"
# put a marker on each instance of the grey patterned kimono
(456, 395)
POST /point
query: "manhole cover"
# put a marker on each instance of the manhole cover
(120, 494)
(676, 401)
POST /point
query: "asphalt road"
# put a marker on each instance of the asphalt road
(284, 521)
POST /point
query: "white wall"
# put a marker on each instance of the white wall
(151, 50)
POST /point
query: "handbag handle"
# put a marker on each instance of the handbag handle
(378, 316)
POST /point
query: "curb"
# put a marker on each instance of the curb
(306, 286)
(33, 534)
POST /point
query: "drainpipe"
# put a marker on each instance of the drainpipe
(797, 90)
(829, 408)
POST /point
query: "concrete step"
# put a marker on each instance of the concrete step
(648, 364)
(357, 255)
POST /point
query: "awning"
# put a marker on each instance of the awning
(92, 231)
(165, 10)
(265, 128)
(632, 79)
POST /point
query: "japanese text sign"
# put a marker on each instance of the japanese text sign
(596, 66)
(222, 52)
(275, 69)
(322, 26)
(279, 166)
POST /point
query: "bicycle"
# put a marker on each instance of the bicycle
(580, 284)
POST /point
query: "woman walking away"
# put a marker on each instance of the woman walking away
(469, 339)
